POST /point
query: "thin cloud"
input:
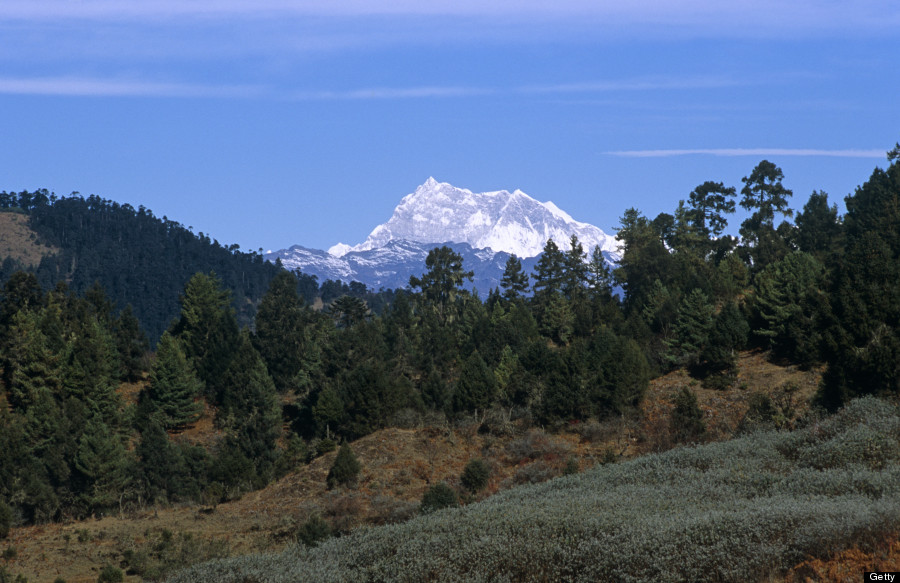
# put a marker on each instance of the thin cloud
(749, 152)
(87, 87)
(393, 93)
(751, 18)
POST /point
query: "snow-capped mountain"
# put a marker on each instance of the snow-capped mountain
(391, 266)
(485, 228)
(501, 220)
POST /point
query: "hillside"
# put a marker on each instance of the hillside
(398, 465)
(138, 258)
(741, 510)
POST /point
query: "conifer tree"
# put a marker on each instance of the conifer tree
(207, 329)
(345, 469)
(475, 387)
(250, 411)
(280, 330)
(691, 331)
(863, 347)
(515, 281)
(174, 387)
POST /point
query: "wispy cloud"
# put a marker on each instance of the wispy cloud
(392, 93)
(750, 152)
(87, 87)
(752, 18)
(130, 87)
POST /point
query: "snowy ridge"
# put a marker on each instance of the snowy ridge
(511, 222)
(484, 228)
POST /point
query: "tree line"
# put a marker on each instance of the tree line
(550, 347)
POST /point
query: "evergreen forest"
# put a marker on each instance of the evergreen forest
(289, 368)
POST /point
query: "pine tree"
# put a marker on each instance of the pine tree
(514, 281)
(476, 385)
(791, 306)
(764, 195)
(250, 412)
(442, 283)
(863, 347)
(691, 331)
(103, 463)
(345, 469)
(280, 330)
(549, 272)
(174, 387)
(207, 329)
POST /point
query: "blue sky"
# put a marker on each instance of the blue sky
(275, 122)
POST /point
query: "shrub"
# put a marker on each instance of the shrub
(687, 422)
(345, 469)
(110, 574)
(313, 531)
(475, 475)
(437, 497)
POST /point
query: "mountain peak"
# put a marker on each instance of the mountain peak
(500, 220)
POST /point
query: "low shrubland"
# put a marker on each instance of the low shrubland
(741, 510)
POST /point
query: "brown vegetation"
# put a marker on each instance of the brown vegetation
(19, 242)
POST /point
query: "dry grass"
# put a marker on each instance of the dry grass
(18, 241)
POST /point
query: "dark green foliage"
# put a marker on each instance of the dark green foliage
(442, 283)
(818, 227)
(764, 195)
(691, 331)
(475, 475)
(791, 305)
(687, 423)
(6, 519)
(124, 248)
(863, 345)
(345, 469)
(475, 387)
(718, 360)
(348, 311)
(438, 496)
(709, 203)
(250, 414)
(208, 330)
(549, 272)
(314, 531)
(132, 345)
(280, 335)
(110, 574)
(515, 281)
(174, 387)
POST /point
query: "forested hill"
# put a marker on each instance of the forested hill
(138, 258)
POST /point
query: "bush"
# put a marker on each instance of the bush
(110, 574)
(345, 469)
(475, 475)
(437, 497)
(687, 424)
(313, 531)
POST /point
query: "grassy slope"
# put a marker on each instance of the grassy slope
(740, 510)
(18, 241)
(397, 464)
